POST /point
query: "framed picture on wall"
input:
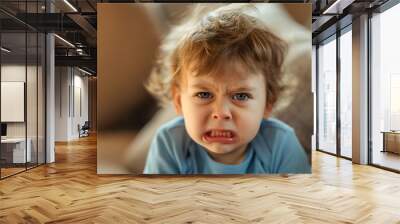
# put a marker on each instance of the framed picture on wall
(12, 101)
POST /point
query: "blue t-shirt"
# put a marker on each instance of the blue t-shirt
(275, 149)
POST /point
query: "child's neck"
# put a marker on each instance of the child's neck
(233, 158)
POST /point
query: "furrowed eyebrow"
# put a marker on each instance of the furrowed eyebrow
(203, 84)
(244, 89)
(208, 86)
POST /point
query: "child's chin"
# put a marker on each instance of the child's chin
(220, 150)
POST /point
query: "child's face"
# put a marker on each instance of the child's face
(223, 111)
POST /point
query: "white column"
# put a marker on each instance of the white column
(50, 99)
(360, 90)
(63, 103)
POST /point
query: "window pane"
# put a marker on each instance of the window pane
(386, 89)
(345, 94)
(327, 97)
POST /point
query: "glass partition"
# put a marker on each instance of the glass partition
(13, 110)
(385, 89)
(346, 93)
(327, 96)
(22, 88)
(31, 100)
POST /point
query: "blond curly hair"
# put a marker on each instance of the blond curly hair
(203, 42)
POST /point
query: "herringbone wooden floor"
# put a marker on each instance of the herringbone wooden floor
(70, 191)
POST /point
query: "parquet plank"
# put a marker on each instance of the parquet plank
(70, 191)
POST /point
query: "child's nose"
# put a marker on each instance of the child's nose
(222, 116)
(222, 111)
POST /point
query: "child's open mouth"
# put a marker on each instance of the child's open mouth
(220, 136)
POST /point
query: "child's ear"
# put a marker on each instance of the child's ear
(176, 98)
(268, 110)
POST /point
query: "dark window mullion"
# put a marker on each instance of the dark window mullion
(26, 87)
(37, 91)
(369, 90)
(338, 98)
(317, 95)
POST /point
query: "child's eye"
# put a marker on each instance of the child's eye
(241, 96)
(204, 95)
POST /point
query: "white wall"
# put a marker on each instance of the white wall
(62, 80)
(81, 103)
(33, 125)
(71, 92)
(17, 73)
(14, 73)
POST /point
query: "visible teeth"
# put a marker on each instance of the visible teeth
(226, 134)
